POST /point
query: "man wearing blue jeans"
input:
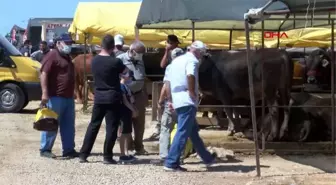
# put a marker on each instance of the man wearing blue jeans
(57, 82)
(183, 86)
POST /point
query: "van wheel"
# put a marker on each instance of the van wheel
(12, 98)
(25, 104)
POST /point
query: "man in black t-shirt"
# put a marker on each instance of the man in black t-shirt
(106, 69)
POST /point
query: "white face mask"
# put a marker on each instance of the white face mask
(65, 49)
(136, 56)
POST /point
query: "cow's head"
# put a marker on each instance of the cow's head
(317, 62)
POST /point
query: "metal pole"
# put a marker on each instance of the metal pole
(230, 44)
(155, 98)
(85, 75)
(333, 86)
(136, 31)
(262, 81)
(250, 79)
(193, 30)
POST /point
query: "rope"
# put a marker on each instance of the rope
(306, 16)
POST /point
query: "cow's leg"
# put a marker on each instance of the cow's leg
(77, 89)
(285, 100)
(305, 130)
(90, 94)
(274, 113)
(233, 126)
(81, 92)
(218, 115)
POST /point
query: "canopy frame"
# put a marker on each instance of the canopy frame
(252, 18)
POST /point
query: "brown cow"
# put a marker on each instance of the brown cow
(79, 75)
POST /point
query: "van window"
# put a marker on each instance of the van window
(8, 48)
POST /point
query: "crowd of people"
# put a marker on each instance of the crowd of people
(120, 98)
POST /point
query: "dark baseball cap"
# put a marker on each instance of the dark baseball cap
(173, 38)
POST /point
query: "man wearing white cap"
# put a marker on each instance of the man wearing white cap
(119, 42)
(183, 86)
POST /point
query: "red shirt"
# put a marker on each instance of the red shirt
(61, 74)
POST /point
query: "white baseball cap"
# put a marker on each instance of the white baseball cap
(198, 45)
(176, 52)
(118, 40)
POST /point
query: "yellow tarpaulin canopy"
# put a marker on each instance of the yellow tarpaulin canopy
(98, 19)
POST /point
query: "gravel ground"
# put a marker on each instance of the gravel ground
(20, 163)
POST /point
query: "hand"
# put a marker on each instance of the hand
(135, 113)
(44, 100)
(159, 104)
(170, 106)
(168, 47)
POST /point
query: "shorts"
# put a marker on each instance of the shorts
(126, 120)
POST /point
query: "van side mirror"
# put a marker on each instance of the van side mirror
(2, 54)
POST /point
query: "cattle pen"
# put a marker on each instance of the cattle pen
(168, 18)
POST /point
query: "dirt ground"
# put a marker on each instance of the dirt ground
(20, 163)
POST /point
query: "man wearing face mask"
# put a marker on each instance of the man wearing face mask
(39, 54)
(182, 84)
(58, 82)
(26, 49)
(133, 61)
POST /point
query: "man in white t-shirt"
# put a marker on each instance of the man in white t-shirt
(183, 86)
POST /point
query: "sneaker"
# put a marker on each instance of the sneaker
(47, 154)
(109, 161)
(141, 152)
(71, 155)
(83, 160)
(177, 169)
(132, 157)
(126, 159)
(214, 156)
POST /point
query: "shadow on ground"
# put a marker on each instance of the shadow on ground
(234, 168)
(29, 111)
(326, 163)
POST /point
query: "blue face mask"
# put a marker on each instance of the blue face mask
(66, 49)
(129, 81)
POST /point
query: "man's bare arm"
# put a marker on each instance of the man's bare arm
(164, 60)
(44, 86)
(168, 91)
(44, 82)
(191, 85)
(163, 93)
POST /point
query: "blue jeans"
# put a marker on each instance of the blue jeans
(65, 108)
(186, 127)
